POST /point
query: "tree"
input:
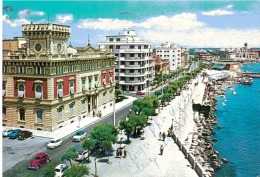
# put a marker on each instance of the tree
(128, 127)
(49, 170)
(88, 144)
(104, 132)
(135, 108)
(77, 171)
(70, 154)
(157, 93)
(138, 120)
(107, 145)
(118, 92)
(148, 112)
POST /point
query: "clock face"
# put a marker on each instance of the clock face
(58, 47)
(38, 47)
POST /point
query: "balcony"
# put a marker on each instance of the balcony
(132, 82)
(134, 50)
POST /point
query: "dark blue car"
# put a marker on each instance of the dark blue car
(15, 133)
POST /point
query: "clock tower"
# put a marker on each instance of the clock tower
(46, 39)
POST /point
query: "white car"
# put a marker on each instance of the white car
(60, 170)
(82, 155)
(80, 135)
(54, 143)
(7, 131)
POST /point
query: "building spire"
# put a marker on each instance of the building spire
(88, 40)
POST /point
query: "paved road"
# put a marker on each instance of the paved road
(23, 151)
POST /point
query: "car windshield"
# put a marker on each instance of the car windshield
(37, 157)
(16, 131)
(79, 133)
(52, 141)
(57, 170)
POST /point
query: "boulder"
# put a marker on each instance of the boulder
(224, 160)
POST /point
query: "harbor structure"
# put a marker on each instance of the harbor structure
(134, 67)
(52, 85)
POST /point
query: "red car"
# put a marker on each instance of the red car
(140, 93)
(39, 160)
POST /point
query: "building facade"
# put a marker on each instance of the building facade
(134, 66)
(18, 43)
(161, 66)
(52, 85)
(171, 52)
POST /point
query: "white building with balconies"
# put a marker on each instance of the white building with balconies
(171, 52)
(134, 66)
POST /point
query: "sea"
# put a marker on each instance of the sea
(239, 138)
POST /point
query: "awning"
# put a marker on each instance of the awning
(218, 66)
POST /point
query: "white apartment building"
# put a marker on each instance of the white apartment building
(172, 53)
(134, 66)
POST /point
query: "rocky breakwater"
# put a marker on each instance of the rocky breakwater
(202, 145)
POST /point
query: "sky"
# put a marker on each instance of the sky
(221, 24)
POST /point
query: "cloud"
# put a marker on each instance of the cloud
(217, 12)
(184, 21)
(14, 23)
(105, 24)
(63, 18)
(229, 6)
(26, 13)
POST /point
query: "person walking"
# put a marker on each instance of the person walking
(125, 152)
(169, 132)
(160, 136)
(161, 149)
(163, 136)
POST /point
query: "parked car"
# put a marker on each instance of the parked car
(80, 135)
(7, 131)
(40, 160)
(54, 143)
(82, 155)
(24, 135)
(140, 93)
(60, 170)
(15, 133)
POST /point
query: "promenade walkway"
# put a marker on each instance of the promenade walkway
(143, 157)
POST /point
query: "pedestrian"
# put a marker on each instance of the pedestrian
(125, 152)
(161, 150)
(117, 152)
(163, 136)
(169, 132)
(120, 153)
(160, 136)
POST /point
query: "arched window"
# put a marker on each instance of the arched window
(60, 91)
(38, 93)
(39, 116)
(22, 114)
(83, 108)
(4, 112)
(60, 113)
(71, 109)
(3, 89)
(21, 91)
(71, 87)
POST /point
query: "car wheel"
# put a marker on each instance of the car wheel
(47, 161)
(37, 167)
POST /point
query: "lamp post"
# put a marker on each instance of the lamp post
(95, 160)
(114, 111)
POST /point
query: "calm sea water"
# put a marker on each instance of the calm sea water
(239, 139)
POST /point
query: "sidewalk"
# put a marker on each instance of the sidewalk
(73, 127)
(143, 157)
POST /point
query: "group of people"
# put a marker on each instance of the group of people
(120, 151)
(162, 136)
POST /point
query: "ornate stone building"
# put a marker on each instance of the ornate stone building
(52, 85)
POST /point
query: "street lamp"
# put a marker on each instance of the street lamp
(114, 111)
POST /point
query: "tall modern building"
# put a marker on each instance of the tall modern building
(51, 85)
(171, 52)
(134, 66)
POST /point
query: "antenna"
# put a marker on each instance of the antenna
(48, 19)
